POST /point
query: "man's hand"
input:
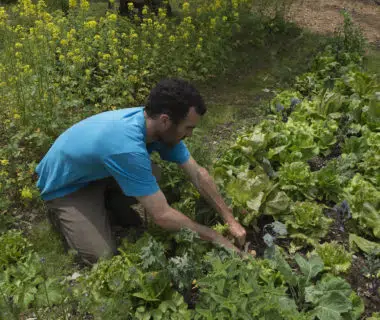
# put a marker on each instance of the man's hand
(238, 231)
(171, 219)
(207, 188)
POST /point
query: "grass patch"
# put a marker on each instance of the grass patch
(49, 246)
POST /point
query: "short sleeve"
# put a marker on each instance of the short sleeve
(133, 172)
(178, 154)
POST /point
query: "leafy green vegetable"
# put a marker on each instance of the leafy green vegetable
(331, 179)
(153, 255)
(221, 228)
(26, 284)
(254, 192)
(363, 244)
(233, 289)
(296, 179)
(364, 201)
(307, 222)
(173, 309)
(335, 258)
(371, 113)
(13, 248)
(374, 316)
(331, 298)
(370, 164)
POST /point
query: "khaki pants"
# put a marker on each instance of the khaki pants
(84, 217)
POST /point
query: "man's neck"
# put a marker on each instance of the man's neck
(150, 134)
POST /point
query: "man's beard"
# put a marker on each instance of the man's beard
(170, 143)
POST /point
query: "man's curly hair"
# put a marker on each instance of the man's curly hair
(174, 97)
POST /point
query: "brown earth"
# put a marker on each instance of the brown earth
(324, 16)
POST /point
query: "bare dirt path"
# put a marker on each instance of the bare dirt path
(323, 16)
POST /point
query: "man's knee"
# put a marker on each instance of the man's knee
(92, 255)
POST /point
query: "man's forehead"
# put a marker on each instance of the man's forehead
(192, 118)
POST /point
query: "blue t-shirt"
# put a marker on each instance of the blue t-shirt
(108, 144)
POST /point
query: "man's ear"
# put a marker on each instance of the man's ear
(165, 121)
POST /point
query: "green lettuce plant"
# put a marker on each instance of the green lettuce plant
(335, 258)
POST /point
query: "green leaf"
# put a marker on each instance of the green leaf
(357, 308)
(335, 258)
(145, 296)
(310, 268)
(363, 244)
(277, 204)
(276, 256)
(364, 201)
(255, 203)
(332, 307)
(328, 285)
(307, 222)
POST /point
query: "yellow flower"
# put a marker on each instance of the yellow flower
(224, 18)
(16, 116)
(212, 23)
(3, 16)
(4, 173)
(106, 56)
(96, 37)
(18, 45)
(63, 42)
(172, 38)
(135, 57)
(70, 34)
(72, 4)
(118, 61)
(26, 193)
(26, 68)
(90, 24)
(84, 4)
(77, 59)
(112, 17)
(61, 57)
(4, 162)
(161, 13)
(145, 10)
(185, 6)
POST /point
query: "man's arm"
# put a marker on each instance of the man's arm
(207, 188)
(170, 219)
